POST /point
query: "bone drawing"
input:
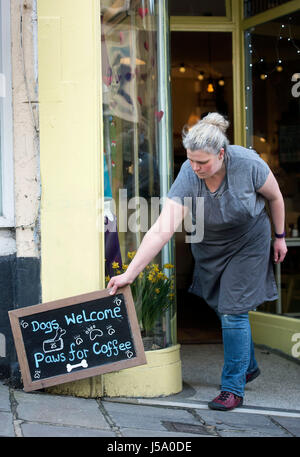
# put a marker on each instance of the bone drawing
(83, 364)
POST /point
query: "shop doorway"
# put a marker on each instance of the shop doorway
(201, 82)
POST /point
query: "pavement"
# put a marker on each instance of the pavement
(271, 406)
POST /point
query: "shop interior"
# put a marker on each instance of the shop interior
(201, 71)
(201, 82)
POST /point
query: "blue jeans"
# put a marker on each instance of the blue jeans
(239, 359)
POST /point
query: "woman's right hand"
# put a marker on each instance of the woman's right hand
(118, 281)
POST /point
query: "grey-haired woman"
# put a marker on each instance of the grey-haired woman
(233, 266)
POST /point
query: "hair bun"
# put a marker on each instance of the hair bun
(217, 120)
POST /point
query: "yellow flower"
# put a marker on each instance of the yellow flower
(107, 278)
(125, 266)
(141, 274)
(131, 254)
(168, 265)
(157, 291)
(155, 267)
(115, 265)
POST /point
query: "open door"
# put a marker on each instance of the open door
(202, 82)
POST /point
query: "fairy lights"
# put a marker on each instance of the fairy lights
(284, 34)
(286, 50)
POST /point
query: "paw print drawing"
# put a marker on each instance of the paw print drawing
(37, 374)
(110, 330)
(129, 354)
(117, 301)
(78, 340)
(93, 332)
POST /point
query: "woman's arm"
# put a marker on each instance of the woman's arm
(270, 190)
(157, 236)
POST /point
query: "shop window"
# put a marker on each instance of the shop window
(6, 148)
(201, 82)
(252, 7)
(131, 112)
(273, 130)
(131, 123)
(198, 8)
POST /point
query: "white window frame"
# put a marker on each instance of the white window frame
(7, 218)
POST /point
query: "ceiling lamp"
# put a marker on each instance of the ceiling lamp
(201, 75)
(182, 68)
(210, 86)
(221, 82)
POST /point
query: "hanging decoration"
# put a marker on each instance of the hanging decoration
(284, 34)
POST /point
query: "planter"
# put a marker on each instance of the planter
(277, 332)
(161, 376)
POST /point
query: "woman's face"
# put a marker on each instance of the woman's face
(205, 164)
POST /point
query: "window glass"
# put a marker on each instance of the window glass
(201, 82)
(252, 7)
(2, 95)
(273, 129)
(131, 117)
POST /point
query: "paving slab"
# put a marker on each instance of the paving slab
(4, 398)
(6, 424)
(59, 410)
(139, 433)
(290, 424)
(239, 424)
(35, 430)
(146, 417)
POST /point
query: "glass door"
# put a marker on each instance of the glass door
(202, 82)
(272, 55)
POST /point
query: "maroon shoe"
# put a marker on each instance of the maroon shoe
(226, 401)
(253, 375)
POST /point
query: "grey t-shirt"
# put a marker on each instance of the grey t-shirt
(236, 204)
(233, 269)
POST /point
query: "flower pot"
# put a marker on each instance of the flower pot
(148, 342)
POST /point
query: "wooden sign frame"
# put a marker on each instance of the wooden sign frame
(30, 384)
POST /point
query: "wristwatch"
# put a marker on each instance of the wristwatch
(280, 235)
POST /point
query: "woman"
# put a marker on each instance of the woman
(233, 266)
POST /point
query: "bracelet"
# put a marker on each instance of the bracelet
(281, 235)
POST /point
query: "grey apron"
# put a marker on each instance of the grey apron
(233, 266)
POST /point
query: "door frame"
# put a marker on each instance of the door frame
(232, 22)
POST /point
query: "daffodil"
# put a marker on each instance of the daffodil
(152, 291)
(168, 266)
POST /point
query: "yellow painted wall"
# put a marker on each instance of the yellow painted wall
(72, 247)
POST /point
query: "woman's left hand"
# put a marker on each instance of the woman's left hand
(280, 250)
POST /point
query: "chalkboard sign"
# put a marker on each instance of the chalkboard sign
(76, 337)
